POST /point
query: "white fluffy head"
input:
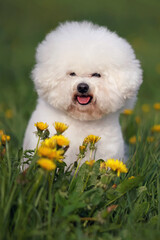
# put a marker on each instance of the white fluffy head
(81, 52)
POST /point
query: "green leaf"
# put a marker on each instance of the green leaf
(94, 196)
(60, 199)
(111, 194)
(128, 184)
(72, 204)
(154, 220)
(80, 180)
(68, 209)
(95, 173)
(140, 210)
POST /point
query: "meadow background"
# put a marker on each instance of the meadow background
(23, 24)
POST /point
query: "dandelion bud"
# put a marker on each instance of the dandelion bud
(90, 163)
(155, 128)
(82, 149)
(41, 126)
(127, 111)
(60, 127)
(5, 139)
(156, 106)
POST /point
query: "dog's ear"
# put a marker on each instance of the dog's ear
(130, 102)
(128, 82)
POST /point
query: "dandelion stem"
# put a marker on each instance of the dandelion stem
(88, 219)
(40, 193)
(37, 144)
(91, 152)
(158, 187)
(39, 196)
(50, 199)
(8, 161)
(80, 159)
(8, 205)
(95, 153)
(73, 165)
(35, 186)
(85, 184)
(115, 199)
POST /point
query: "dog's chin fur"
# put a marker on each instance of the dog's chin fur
(88, 112)
(81, 52)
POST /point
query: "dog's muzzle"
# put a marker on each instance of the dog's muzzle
(82, 97)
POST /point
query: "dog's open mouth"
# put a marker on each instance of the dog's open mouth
(84, 99)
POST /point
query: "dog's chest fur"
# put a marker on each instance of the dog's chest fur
(111, 144)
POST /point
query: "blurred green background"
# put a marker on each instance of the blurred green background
(23, 24)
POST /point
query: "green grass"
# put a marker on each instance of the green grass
(41, 205)
(60, 215)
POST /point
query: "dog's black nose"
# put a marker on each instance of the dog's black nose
(82, 88)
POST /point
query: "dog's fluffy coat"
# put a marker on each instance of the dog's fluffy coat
(71, 55)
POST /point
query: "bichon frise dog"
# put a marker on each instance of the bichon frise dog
(85, 75)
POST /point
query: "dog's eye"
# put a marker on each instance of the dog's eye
(72, 74)
(96, 75)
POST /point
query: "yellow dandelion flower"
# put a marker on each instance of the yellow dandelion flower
(127, 111)
(61, 140)
(133, 140)
(90, 163)
(102, 165)
(137, 119)
(150, 139)
(46, 164)
(156, 106)
(132, 177)
(60, 127)
(145, 108)
(156, 128)
(49, 142)
(1, 132)
(91, 139)
(50, 153)
(116, 165)
(9, 113)
(5, 138)
(41, 126)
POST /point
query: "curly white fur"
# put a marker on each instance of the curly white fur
(85, 48)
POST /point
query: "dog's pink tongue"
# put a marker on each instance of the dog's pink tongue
(83, 100)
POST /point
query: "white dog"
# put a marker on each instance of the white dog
(85, 76)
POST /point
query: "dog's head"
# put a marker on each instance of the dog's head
(86, 71)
